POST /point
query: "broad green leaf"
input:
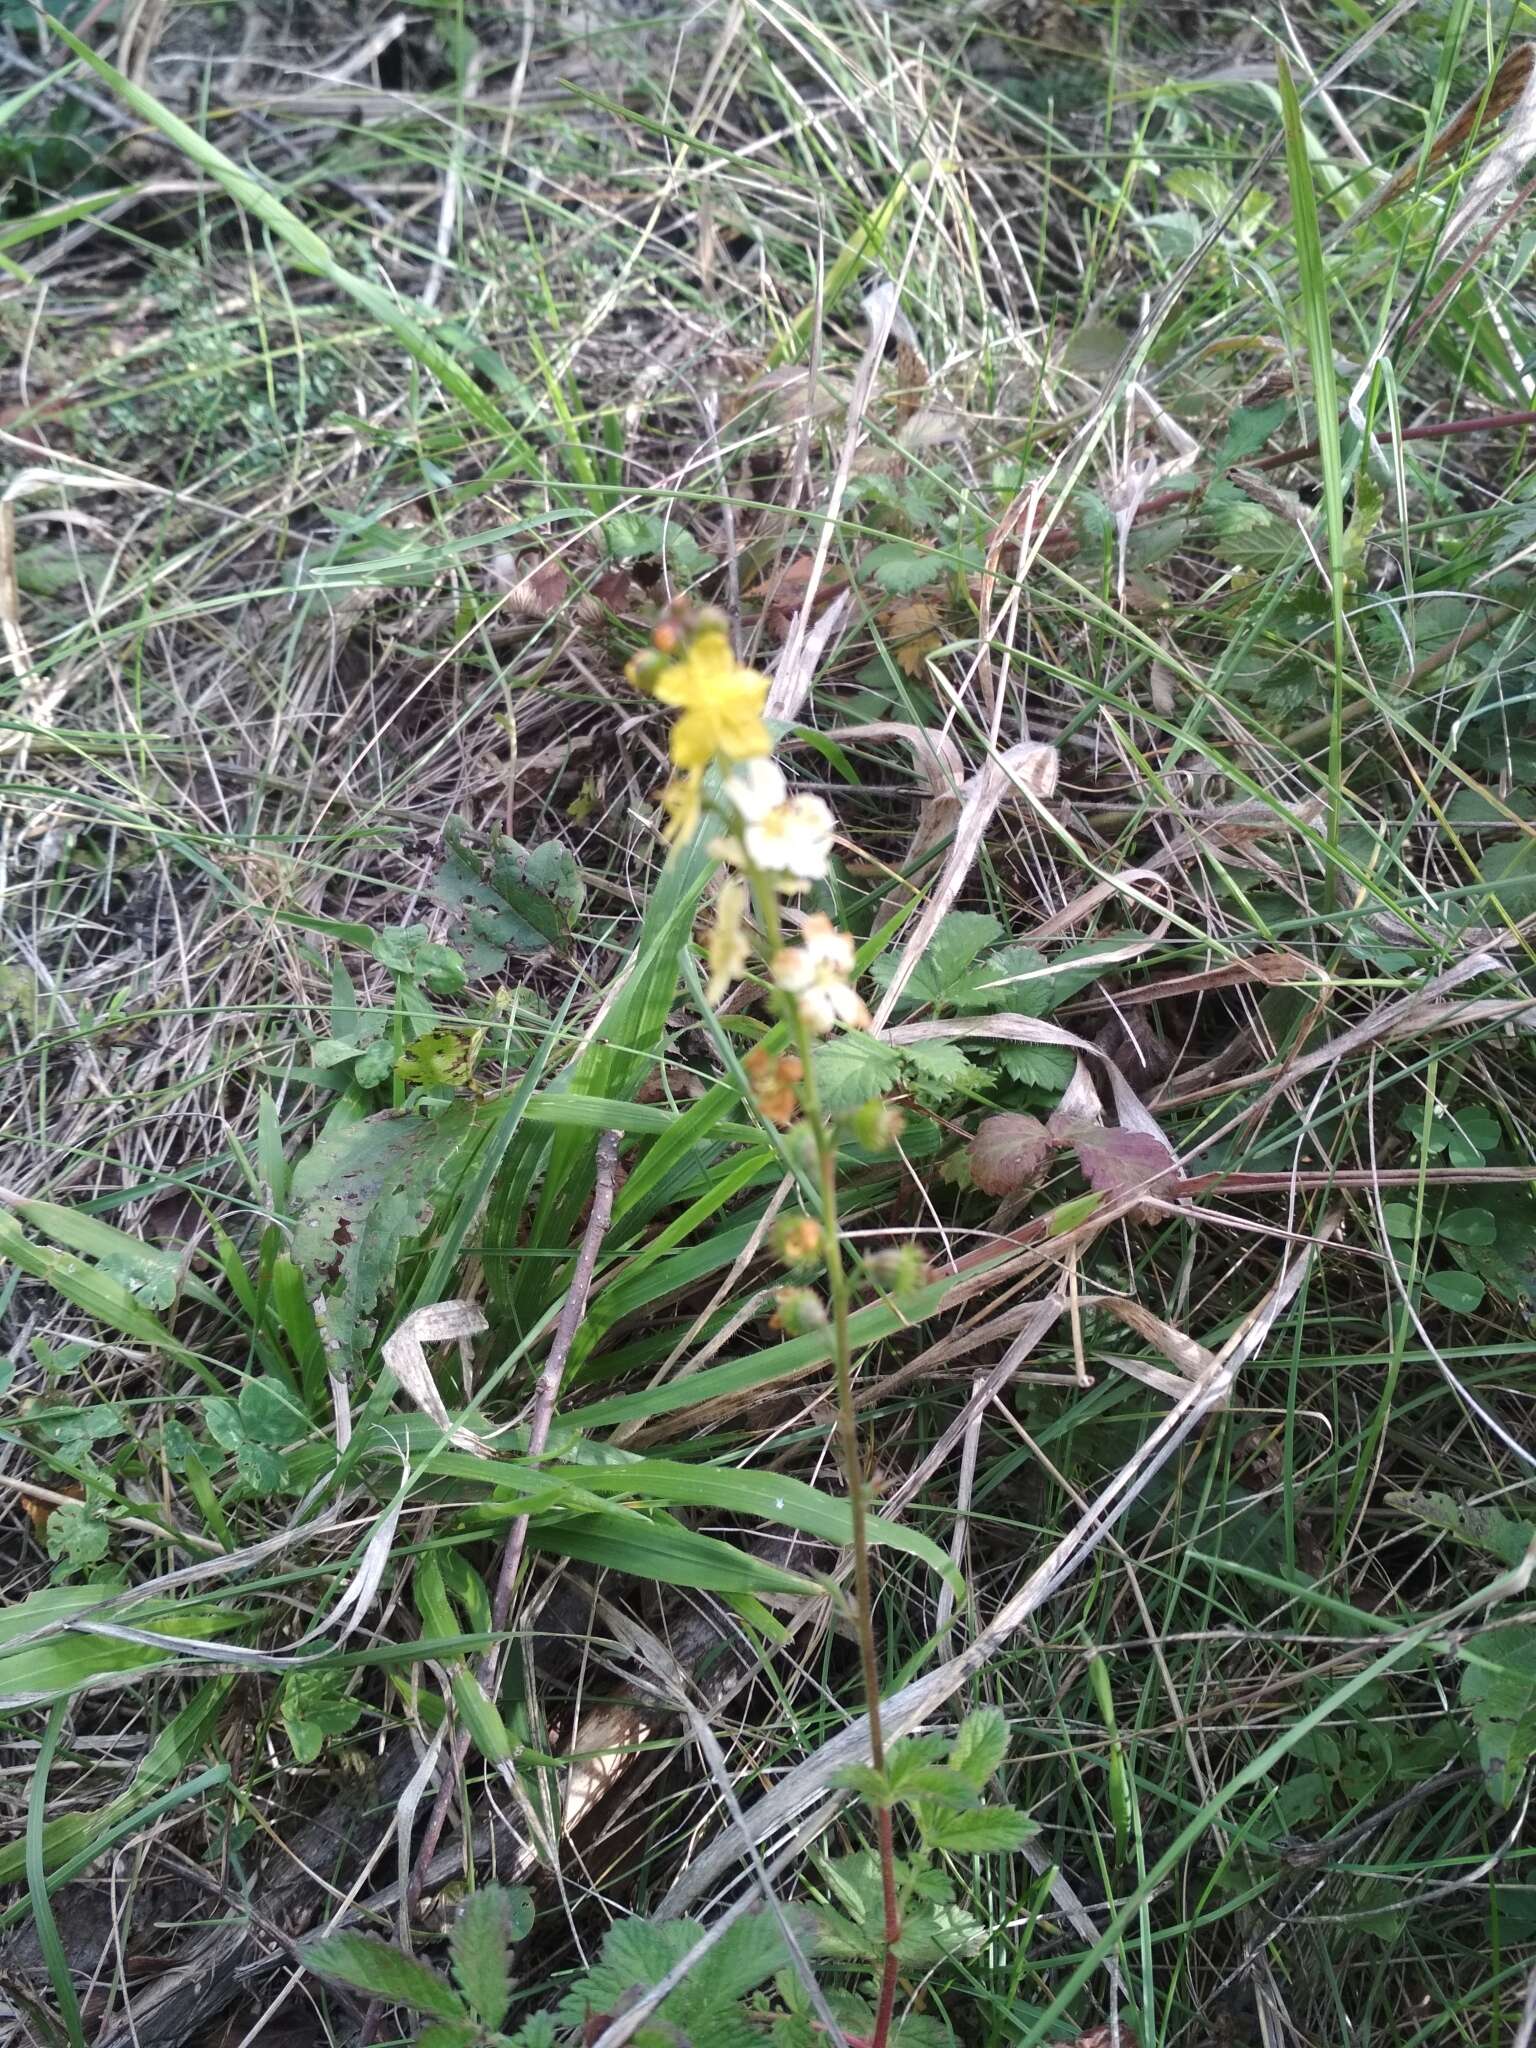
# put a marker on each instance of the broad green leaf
(365, 1194)
(942, 975)
(506, 898)
(662, 1550)
(1498, 1689)
(900, 567)
(270, 1414)
(1459, 1292)
(95, 1292)
(382, 1972)
(70, 1660)
(315, 1704)
(1479, 1524)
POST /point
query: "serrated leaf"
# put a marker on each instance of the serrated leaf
(1498, 1689)
(981, 1746)
(1046, 1067)
(872, 1786)
(449, 2034)
(901, 567)
(478, 1945)
(938, 1071)
(852, 1067)
(636, 1955)
(986, 1831)
(942, 975)
(383, 1972)
(1248, 430)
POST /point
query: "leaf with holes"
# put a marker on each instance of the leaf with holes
(364, 1194)
(505, 897)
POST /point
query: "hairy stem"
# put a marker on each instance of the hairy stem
(839, 1294)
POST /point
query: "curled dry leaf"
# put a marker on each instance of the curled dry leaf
(1009, 1153)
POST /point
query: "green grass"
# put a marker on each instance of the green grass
(310, 380)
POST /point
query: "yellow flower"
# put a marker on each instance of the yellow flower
(721, 703)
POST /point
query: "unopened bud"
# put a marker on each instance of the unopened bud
(797, 1311)
(900, 1269)
(877, 1125)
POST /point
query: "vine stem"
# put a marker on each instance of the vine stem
(849, 1456)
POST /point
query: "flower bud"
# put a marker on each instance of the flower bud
(900, 1269)
(877, 1125)
(644, 669)
(798, 1311)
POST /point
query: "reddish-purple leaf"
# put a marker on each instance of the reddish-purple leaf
(1117, 1162)
(1008, 1154)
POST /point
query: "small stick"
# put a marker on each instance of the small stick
(545, 1397)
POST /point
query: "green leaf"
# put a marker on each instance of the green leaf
(314, 1704)
(636, 1955)
(981, 1746)
(44, 1653)
(870, 1785)
(94, 1291)
(901, 567)
(507, 898)
(489, 1921)
(1399, 1218)
(270, 1413)
(1046, 1067)
(1481, 1526)
(1508, 1265)
(1248, 430)
(363, 1195)
(939, 1071)
(77, 1535)
(1459, 1292)
(941, 975)
(1498, 1689)
(987, 1831)
(852, 1067)
(383, 1972)
(450, 2034)
(1469, 1226)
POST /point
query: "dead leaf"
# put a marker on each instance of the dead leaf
(913, 630)
(405, 1355)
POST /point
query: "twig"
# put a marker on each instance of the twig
(545, 1396)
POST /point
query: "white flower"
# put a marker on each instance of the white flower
(788, 837)
(816, 973)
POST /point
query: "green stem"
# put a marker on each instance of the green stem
(839, 1292)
